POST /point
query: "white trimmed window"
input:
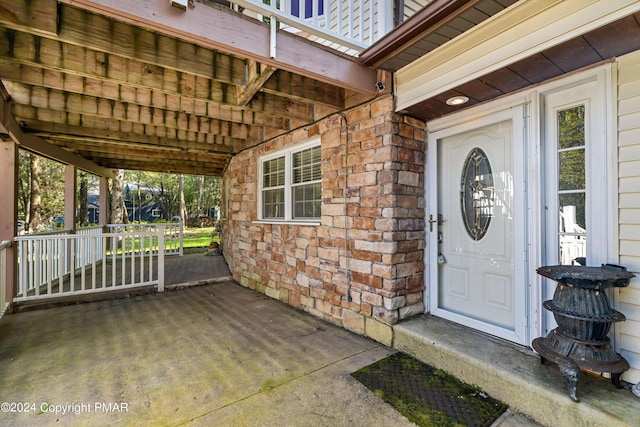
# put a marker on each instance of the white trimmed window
(290, 184)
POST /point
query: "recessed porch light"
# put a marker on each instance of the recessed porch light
(457, 100)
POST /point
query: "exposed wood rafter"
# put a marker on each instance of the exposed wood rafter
(144, 85)
(257, 76)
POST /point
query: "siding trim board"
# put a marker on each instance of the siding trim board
(628, 215)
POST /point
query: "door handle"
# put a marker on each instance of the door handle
(432, 221)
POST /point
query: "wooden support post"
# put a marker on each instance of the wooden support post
(70, 198)
(9, 211)
(103, 201)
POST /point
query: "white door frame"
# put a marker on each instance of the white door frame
(515, 114)
(529, 157)
(593, 90)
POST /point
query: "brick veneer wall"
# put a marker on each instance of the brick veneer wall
(362, 267)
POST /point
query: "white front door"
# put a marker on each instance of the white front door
(475, 222)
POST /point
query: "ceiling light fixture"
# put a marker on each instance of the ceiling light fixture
(180, 4)
(457, 100)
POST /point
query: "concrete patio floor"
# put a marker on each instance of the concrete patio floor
(216, 354)
(206, 352)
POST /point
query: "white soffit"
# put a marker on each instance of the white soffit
(524, 29)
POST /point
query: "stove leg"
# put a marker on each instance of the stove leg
(571, 372)
(615, 379)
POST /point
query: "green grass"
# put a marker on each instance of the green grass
(194, 240)
(197, 240)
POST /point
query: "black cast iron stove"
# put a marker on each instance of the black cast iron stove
(581, 308)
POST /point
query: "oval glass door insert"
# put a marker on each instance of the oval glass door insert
(476, 194)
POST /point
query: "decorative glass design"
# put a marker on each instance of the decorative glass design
(476, 194)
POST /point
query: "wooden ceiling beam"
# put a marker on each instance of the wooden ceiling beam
(287, 107)
(27, 114)
(257, 75)
(103, 148)
(102, 81)
(185, 165)
(26, 98)
(224, 30)
(100, 33)
(141, 155)
(84, 57)
(73, 84)
(32, 50)
(186, 168)
(215, 144)
(10, 126)
(40, 16)
(305, 89)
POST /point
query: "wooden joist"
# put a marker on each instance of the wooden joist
(138, 84)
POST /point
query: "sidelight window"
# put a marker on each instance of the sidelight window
(572, 191)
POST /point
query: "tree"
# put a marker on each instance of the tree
(118, 208)
(83, 201)
(24, 185)
(183, 210)
(199, 181)
(40, 190)
(35, 201)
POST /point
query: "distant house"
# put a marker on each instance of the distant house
(93, 208)
(148, 208)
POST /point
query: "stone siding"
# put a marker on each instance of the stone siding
(362, 266)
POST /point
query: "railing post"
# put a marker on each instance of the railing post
(6, 295)
(386, 15)
(273, 50)
(160, 231)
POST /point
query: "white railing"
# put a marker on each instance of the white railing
(57, 265)
(346, 25)
(4, 304)
(173, 234)
(88, 252)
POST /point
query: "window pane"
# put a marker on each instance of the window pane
(307, 201)
(273, 172)
(572, 170)
(273, 203)
(306, 165)
(573, 212)
(308, 7)
(571, 127)
(572, 238)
